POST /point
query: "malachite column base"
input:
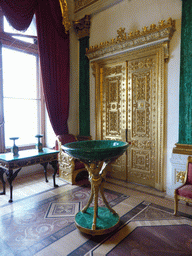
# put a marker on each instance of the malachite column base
(185, 149)
(106, 221)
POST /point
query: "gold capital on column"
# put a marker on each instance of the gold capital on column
(82, 26)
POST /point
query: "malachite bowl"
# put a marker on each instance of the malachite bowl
(95, 150)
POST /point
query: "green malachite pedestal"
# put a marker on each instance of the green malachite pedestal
(106, 221)
(96, 155)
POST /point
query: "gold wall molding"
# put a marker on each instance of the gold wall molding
(128, 41)
(82, 26)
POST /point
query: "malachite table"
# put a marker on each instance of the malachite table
(11, 165)
(96, 155)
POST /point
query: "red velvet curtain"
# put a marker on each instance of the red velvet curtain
(54, 52)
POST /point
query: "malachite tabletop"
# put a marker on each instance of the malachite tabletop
(12, 165)
(23, 154)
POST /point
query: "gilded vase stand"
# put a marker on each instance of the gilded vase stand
(96, 155)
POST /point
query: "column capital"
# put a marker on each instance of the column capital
(82, 26)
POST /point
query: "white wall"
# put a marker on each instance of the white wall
(73, 123)
(132, 15)
(73, 120)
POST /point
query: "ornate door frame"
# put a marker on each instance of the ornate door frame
(150, 50)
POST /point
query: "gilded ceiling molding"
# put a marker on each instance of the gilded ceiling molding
(81, 4)
(124, 42)
(82, 26)
(65, 14)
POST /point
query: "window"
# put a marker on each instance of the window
(21, 96)
(22, 109)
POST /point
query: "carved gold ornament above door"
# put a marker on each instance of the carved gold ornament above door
(130, 105)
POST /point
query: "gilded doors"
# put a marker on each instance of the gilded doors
(142, 119)
(130, 106)
(113, 102)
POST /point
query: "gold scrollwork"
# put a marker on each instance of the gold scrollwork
(65, 14)
(112, 70)
(180, 176)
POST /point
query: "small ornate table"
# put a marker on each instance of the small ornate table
(96, 155)
(8, 163)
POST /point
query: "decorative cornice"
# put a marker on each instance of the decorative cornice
(81, 4)
(124, 41)
(82, 26)
(183, 149)
(91, 7)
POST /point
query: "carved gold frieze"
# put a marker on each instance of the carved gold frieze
(153, 33)
(113, 70)
(138, 64)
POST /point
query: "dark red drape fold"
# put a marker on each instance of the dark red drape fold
(19, 13)
(54, 52)
(54, 56)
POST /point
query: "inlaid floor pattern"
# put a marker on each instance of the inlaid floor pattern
(37, 203)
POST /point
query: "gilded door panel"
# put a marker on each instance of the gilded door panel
(130, 106)
(113, 113)
(142, 120)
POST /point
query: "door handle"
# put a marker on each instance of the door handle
(126, 136)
